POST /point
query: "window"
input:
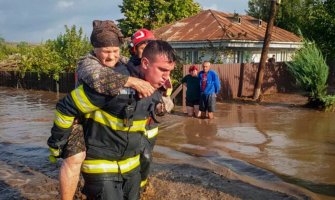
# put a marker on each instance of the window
(190, 56)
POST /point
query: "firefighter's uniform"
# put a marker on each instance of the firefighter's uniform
(115, 130)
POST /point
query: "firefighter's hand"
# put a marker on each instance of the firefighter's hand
(160, 109)
(144, 88)
(165, 106)
(168, 104)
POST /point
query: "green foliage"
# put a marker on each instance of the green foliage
(70, 46)
(215, 52)
(2, 49)
(259, 9)
(329, 102)
(315, 19)
(23, 48)
(291, 13)
(49, 64)
(54, 56)
(5, 49)
(247, 57)
(310, 71)
(124, 51)
(177, 75)
(319, 25)
(152, 14)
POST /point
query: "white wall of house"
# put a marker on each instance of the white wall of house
(233, 51)
(192, 56)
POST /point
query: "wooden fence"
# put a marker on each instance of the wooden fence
(32, 80)
(238, 80)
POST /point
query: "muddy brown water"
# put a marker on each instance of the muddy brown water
(267, 144)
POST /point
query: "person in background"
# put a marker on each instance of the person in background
(209, 88)
(191, 81)
(272, 60)
(139, 41)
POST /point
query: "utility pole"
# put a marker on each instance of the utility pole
(265, 50)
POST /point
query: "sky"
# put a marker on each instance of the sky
(36, 21)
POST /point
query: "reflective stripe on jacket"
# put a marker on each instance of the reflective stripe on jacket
(107, 166)
(151, 133)
(115, 123)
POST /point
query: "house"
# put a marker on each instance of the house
(226, 38)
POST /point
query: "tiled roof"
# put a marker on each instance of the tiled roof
(215, 25)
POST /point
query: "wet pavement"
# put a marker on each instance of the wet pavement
(268, 144)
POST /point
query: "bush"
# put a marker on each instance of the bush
(5, 50)
(70, 46)
(328, 102)
(43, 60)
(177, 75)
(310, 71)
(51, 58)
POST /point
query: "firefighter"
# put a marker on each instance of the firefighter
(97, 72)
(139, 41)
(114, 128)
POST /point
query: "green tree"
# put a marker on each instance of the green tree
(319, 26)
(315, 19)
(259, 9)
(290, 15)
(70, 46)
(54, 56)
(42, 60)
(2, 48)
(310, 71)
(5, 49)
(23, 48)
(152, 14)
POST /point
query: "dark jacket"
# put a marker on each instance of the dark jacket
(134, 66)
(106, 134)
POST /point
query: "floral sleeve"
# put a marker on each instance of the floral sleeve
(102, 79)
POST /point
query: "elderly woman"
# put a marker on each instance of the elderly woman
(191, 81)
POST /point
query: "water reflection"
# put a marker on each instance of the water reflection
(296, 144)
(199, 135)
(199, 132)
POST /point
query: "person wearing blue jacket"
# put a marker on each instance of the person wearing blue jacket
(209, 87)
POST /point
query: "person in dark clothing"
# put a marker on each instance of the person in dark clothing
(272, 60)
(193, 91)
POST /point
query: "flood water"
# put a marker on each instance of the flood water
(270, 143)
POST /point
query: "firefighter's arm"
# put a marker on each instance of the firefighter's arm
(80, 101)
(143, 88)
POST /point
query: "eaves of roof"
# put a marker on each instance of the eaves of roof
(234, 44)
(210, 25)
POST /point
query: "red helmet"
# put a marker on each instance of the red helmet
(141, 36)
